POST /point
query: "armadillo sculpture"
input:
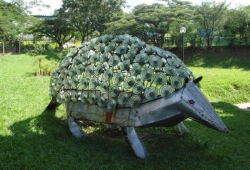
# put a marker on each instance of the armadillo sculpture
(120, 80)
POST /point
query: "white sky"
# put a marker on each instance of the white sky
(55, 4)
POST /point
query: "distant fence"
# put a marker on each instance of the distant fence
(168, 43)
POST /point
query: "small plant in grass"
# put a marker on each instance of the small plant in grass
(38, 65)
(44, 67)
(50, 66)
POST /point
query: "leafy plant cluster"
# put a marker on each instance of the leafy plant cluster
(34, 50)
(43, 66)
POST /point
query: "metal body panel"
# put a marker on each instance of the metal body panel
(158, 110)
(121, 117)
(186, 102)
(146, 114)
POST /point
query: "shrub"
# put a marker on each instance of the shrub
(44, 67)
(38, 50)
(34, 49)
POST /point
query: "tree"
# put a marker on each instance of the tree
(126, 25)
(237, 26)
(154, 22)
(103, 20)
(182, 15)
(89, 15)
(59, 29)
(12, 20)
(158, 19)
(26, 6)
(210, 16)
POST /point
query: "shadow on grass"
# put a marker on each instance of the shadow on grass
(55, 54)
(30, 74)
(46, 142)
(224, 58)
(234, 117)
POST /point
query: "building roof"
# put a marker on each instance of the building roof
(44, 17)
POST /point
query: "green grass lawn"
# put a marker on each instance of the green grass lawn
(32, 138)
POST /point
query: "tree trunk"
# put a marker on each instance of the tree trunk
(3, 47)
(60, 45)
(87, 33)
(82, 38)
(208, 43)
(19, 46)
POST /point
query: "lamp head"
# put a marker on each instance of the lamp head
(182, 30)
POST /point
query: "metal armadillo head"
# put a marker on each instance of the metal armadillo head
(187, 102)
(196, 106)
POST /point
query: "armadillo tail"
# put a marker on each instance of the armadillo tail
(52, 105)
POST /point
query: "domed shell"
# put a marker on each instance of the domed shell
(117, 71)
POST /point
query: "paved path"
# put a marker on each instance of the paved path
(244, 106)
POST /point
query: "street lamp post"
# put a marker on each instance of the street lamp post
(182, 31)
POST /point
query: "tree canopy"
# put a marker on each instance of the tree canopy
(58, 29)
(210, 19)
(90, 15)
(156, 24)
(237, 24)
(11, 16)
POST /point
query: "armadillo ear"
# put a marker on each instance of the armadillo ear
(197, 80)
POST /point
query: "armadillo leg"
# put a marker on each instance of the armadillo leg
(135, 142)
(74, 128)
(182, 128)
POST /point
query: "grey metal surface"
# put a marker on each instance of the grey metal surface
(80, 111)
(135, 143)
(199, 108)
(74, 128)
(182, 128)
